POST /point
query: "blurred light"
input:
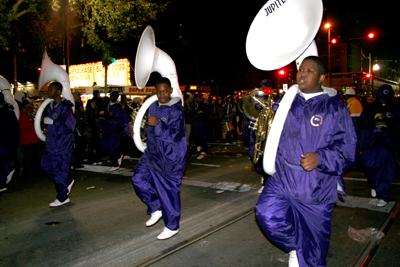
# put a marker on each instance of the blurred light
(376, 67)
(333, 41)
(327, 26)
(281, 72)
(371, 35)
(368, 75)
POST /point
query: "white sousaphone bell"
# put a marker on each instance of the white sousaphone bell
(5, 88)
(51, 72)
(149, 58)
(281, 32)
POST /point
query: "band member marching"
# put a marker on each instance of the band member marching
(316, 145)
(157, 177)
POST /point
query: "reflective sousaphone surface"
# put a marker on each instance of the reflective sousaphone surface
(292, 25)
(5, 88)
(51, 72)
(149, 58)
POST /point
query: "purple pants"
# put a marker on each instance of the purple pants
(380, 164)
(277, 212)
(159, 191)
(57, 169)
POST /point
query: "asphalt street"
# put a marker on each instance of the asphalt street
(104, 225)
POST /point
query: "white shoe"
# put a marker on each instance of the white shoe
(114, 169)
(9, 176)
(293, 261)
(261, 189)
(373, 192)
(166, 233)
(120, 160)
(70, 186)
(57, 203)
(155, 217)
(381, 203)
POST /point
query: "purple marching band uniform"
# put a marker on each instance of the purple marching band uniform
(9, 139)
(380, 125)
(157, 177)
(56, 159)
(292, 194)
(112, 128)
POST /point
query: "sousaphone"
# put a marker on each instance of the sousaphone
(5, 88)
(149, 58)
(281, 32)
(51, 72)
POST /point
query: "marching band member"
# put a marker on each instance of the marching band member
(56, 159)
(380, 122)
(112, 128)
(157, 177)
(9, 138)
(316, 145)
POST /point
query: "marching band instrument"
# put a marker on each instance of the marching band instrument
(5, 88)
(51, 72)
(262, 125)
(302, 18)
(149, 58)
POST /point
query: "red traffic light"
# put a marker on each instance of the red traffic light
(371, 35)
(333, 41)
(368, 75)
(281, 72)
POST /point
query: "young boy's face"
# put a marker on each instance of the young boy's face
(163, 92)
(308, 77)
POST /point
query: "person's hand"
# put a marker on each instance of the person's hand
(309, 161)
(152, 120)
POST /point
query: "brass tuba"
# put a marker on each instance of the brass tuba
(51, 72)
(149, 58)
(275, 19)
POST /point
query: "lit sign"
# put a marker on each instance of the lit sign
(86, 74)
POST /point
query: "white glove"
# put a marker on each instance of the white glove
(47, 120)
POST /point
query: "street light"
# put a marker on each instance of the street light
(328, 26)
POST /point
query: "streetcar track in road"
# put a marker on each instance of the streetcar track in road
(367, 254)
(162, 254)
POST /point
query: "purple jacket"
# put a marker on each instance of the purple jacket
(60, 134)
(321, 125)
(166, 142)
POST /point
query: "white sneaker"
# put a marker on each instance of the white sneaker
(155, 217)
(70, 186)
(373, 192)
(57, 203)
(261, 189)
(120, 160)
(293, 261)
(166, 233)
(381, 203)
(114, 169)
(9, 176)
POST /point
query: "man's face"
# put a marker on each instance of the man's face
(309, 78)
(163, 92)
(52, 92)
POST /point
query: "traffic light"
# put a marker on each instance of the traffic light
(333, 41)
(368, 76)
(106, 55)
(281, 72)
(371, 35)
